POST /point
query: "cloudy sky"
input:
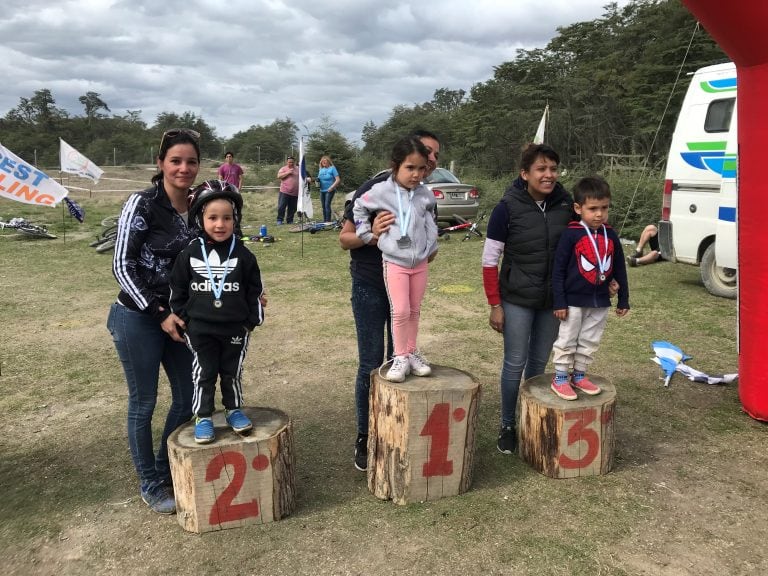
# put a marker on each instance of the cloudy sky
(248, 62)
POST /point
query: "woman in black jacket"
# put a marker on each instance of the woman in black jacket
(152, 230)
(523, 231)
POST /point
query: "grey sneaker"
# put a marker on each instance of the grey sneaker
(399, 369)
(418, 364)
(159, 500)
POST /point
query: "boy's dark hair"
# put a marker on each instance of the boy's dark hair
(591, 188)
(533, 151)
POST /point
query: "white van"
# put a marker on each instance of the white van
(698, 217)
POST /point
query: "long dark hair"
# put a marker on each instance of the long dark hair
(171, 138)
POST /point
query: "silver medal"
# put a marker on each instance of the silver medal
(602, 277)
(217, 303)
(404, 242)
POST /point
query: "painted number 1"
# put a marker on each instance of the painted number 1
(223, 509)
(438, 427)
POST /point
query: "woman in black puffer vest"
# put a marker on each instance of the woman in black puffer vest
(523, 231)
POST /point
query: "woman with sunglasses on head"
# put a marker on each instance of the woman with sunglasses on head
(152, 231)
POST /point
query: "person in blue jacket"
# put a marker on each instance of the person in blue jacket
(588, 257)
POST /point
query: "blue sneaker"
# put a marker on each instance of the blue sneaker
(238, 421)
(158, 499)
(204, 432)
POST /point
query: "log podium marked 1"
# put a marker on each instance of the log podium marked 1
(236, 480)
(566, 438)
(421, 435)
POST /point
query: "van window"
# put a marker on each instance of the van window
(719, 115)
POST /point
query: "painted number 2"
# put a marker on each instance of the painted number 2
(223, 509)
(580, 431)
(438, 427)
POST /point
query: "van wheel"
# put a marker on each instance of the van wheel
(717, 280)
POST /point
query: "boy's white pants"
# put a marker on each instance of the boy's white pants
(579, 338)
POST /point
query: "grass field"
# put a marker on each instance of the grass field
(687, 495)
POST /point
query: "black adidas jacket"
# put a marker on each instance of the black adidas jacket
(192, 296)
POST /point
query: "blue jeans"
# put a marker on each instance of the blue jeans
(370, 307)
(325, 199)
(528, 338)
(142, 347)
(285, 203)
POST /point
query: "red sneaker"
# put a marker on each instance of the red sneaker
(587, 386)
(563, 390)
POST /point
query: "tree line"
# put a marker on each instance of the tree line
(607, 83)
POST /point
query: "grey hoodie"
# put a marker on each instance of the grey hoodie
(422, 228)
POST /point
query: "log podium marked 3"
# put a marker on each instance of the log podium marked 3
(236, 480)
(421, 436)
(564, 438)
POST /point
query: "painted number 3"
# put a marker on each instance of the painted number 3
(580, 431)
(223, 509)
(438, 426)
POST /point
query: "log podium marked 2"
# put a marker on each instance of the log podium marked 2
(236, 480)
(421, 435)
(566, 438)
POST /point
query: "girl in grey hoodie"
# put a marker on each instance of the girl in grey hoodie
(407, 248)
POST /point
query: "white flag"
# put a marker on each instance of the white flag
(539, 138)
(24, 183)
(73, 162)
(304, 205)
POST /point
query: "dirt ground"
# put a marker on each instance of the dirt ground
(687, 495)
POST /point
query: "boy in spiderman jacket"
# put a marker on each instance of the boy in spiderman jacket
(589, 255)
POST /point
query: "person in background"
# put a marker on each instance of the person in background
(151, 232)
(649, 236)
(523, 231)
(370, 304)
(589, 256)
(231, 172)
(288, 196)
(328, 179)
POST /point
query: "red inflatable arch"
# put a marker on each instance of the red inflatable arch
(740, 30)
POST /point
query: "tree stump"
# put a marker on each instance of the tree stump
(236, 480)
(564, 438)
(421, 437)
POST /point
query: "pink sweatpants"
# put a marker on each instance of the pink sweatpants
(405, 288)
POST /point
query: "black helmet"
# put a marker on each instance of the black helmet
(212, 190)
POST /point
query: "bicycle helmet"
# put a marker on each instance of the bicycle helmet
(213, 190)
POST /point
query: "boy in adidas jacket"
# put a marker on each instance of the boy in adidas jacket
(216, 289)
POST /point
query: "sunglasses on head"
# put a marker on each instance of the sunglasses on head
(178, 131)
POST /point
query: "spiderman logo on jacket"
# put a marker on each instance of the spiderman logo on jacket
(587, 259)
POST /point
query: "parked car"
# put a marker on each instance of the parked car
(453, 197)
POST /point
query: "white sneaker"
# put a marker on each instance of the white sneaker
(419, 364)
(399, 370)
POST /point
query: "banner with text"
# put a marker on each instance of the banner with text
(24, 183)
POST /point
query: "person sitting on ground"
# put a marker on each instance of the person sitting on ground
(650, 237)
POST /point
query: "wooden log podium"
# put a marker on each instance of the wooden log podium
(566, 438)
(236, 480)
(421, 435)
